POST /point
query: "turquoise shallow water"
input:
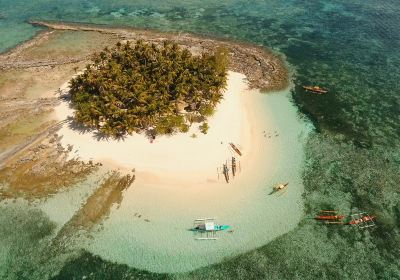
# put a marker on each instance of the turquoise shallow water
(352, 48)
(163, 244)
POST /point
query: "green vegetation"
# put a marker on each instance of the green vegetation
(132, 88)
(204, 128)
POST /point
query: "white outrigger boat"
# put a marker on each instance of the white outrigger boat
(207, 228)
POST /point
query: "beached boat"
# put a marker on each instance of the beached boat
(226, 172)
(233, 166)
(315, 89)
(236, 149)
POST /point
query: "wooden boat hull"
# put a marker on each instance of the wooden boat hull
(226, 172)
(236, 149)
(233, 166)
(317, 90)
(329, 218)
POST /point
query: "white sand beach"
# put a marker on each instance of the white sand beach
(178, 159)
(177, 181)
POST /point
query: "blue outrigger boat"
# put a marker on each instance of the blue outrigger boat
(208, 227)
(216, 228)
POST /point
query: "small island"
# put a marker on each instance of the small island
(158, 84)
(156, 88)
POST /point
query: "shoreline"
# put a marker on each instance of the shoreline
(265, 69)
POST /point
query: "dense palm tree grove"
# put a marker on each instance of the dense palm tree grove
(146, 87)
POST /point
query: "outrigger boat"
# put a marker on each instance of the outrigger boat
(329, 217)
(207, 227)
(362, 220)
(233, 166)
(236, 149)
(215, 228)
(315, 89)
(226, 172)
(279, 188)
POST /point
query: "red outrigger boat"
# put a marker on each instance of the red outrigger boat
(236, 149)
(315, 89)
(329, 217)
(362, 220)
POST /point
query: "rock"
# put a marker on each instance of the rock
(25, 159)
(42, 146)
(37, 169)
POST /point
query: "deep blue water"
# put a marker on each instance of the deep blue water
(351, 47)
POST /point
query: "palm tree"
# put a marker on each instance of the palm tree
(128, 89)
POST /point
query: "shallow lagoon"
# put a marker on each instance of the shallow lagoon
(352, 47)
(164, 244)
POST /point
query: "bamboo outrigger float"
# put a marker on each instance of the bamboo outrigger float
(235, 149)
(315, 89)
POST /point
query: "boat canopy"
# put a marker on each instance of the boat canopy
(210, 225)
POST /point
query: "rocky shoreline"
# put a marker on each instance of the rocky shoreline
(263, 68)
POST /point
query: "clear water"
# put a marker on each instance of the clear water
(164, 244)
(351, 47)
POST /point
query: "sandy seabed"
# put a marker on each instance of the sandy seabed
(178, 181)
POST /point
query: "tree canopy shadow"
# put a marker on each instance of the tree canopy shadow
(96, 134)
